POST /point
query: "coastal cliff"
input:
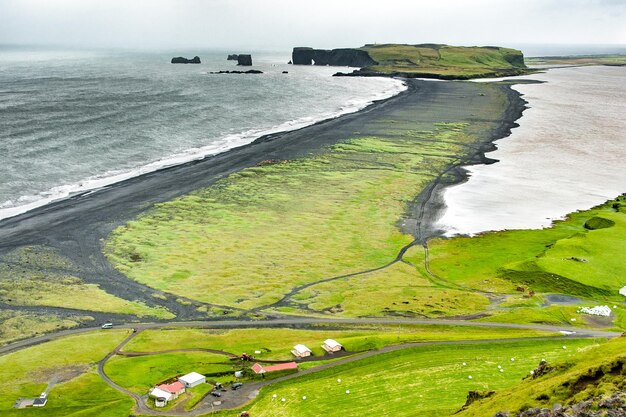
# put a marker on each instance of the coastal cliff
(344, 57)
(428, 60)
(244, 60)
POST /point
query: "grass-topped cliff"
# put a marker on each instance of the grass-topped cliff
(443, 61)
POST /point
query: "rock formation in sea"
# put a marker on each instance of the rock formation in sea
(232, 57)
(237, 72)
(244, 59)
(344, 57)
(182, 60)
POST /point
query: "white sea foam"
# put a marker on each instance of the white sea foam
(91, 184)
(568, 154)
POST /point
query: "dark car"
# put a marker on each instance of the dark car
(237, 385)
(216, 393)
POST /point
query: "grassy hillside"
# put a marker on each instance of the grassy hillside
(445, 61)
(579, 256)
(426, 380)
(596, 373)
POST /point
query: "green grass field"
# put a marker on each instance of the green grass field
(15, 324)
(220, 245)
(445, 61)
(426, 380)
(406, 293)
(276, 344)
(139, 374)
(79, 391)
(36, 276)
(595, 372)
(567, 258)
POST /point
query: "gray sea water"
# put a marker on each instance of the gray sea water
(568, 154)
(78, 120)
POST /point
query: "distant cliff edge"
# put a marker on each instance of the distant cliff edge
(344, 57)
(427, 60)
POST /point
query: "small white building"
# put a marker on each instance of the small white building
(301, 351)
(161, 397)
(331, 346)
(192, 379)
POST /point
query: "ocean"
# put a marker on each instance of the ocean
(568, 154)
(77, 120)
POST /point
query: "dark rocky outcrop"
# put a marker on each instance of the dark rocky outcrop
(237, 72)
(474, 396)
(345, 57)
(244, 60)
(232, 57)
(182, 60)
(613, 406)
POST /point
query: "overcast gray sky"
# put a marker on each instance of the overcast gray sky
(277, 24)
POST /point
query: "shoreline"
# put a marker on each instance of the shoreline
(430, 205)
(75, 227)
(244, 148)
(95, 183)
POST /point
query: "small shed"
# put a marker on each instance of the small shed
(331, 346)
(175, 388)
(192, 379)
(40, 402)
(301, 351)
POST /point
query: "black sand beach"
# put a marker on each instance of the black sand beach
(76, 226)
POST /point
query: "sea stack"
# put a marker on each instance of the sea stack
(182, 60)
(232, 57)
(244, 59)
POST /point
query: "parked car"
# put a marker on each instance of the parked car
(216, 393)
(107, 325)
(236, 386)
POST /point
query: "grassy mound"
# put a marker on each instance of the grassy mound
(596, 223)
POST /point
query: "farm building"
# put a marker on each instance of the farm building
(175, 388)
(331, 346)
(32, 402)
(160, 397)
(40, 402)
(257, 368)
(192, 379)
(301, 351)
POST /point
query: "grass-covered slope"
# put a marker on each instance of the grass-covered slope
(581, 256)
(445, 61)
(591, 374)
(421, 381)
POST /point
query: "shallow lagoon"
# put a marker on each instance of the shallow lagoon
(568, 154)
